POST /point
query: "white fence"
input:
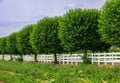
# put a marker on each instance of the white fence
(99, 58)
(105, 58)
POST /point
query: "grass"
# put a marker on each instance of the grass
(32, 72)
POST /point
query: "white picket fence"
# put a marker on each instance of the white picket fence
(99, 58)
(105, 58)
(62, 58)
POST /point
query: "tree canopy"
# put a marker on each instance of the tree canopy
(11, 44)
(3, 45)
(23, 40)
(69, 29)
(44, 38)
(3, 48)
(109, 22)
(78, 29)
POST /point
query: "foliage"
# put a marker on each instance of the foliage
(3, 45)
(11, 44)
(78, 30)
(87, 60)
(109, 22)
(44, 38)
(18, 59)
(23, 40)
(69, 30)
(100, 46)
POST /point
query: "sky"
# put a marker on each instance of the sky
(15, 14)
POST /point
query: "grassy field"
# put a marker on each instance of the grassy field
(32, 72)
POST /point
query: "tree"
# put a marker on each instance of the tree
(45, 39)
(3, 46)
(69, 30)
(91, 36)
(78, 30)
(23, 41)
(11, 44)
(109, 22)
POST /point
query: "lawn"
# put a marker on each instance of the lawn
(33, 72)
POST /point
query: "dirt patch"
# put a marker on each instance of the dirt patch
(38, 79)
(2, 82)
(11, 73)
(103, 81)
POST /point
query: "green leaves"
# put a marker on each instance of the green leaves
(23, 40)
(3, 48)
(109, 22)
(69, 29)
(45, 36)
(11, 43)
(78, 29)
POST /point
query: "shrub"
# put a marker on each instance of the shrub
(87, 60)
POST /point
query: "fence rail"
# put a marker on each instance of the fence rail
(98, 58)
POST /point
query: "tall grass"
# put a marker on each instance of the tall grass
(32, 72)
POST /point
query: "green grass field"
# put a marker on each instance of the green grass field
(32, 72)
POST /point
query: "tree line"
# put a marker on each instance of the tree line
(78, 29)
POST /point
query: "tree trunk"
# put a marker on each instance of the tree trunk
(21, 57)
(93, 51)
(85, 54)
(71, 52)
(55, 59)
(3, 56)
(11, 58)
(35, 57)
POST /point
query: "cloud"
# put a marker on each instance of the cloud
(69, 6)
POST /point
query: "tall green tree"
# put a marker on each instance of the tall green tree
(3, 46)
(23, 41)
(91, 37)
(69, 30)
(78, 30)
(45, 39)
(11, 44)
(109, 22)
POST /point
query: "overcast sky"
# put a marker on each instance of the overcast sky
(15, 14)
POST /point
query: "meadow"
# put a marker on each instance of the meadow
(33, 72)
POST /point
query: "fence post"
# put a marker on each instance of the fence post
(99, 59)
(41, 58)
(67, 57)
(92, 58)
(71, 59)
(76, 58)
(59, 58)
(48, 59)
(115, 58)
(63, 59)
(112, 59)
(105, 59)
